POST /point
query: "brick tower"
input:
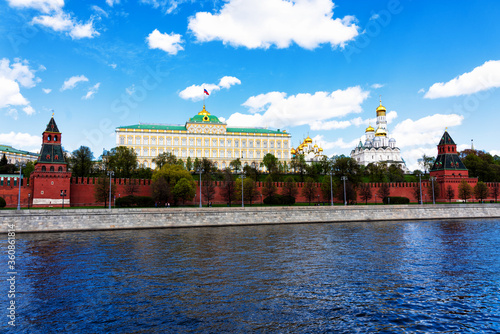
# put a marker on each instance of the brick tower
(51, 179)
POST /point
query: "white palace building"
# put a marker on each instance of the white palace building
(204, 136)
(377, 146)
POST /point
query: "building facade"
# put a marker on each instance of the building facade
(204, 136)
(378, 147)
(15, 156)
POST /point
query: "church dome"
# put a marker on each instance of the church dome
(320, 149)
(308, 140)
(381, 109)
(315, 145)
(368, 143)
(370, 129)
(380, 132)
(377, 139)
(293, 151)
(392, 140)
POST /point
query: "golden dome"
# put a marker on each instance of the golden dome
(293, 151)
(381, 109)
(380, 132)
(308, 140)
(315, 145)
(204, 111)
(320, 149)
(370, 129)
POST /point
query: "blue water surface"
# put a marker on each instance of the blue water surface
(386, 277)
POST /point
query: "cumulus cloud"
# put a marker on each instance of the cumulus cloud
(45, 6)
(20, 140)
(275, 109)
(335, 125)
(12, 113)
(113, 66)
(481, 78)
(168, 6)
(90, 94)
(377, 86)
(170, 43)
(111, 3)
(29, 110)
(63, 22)
(264, 23)
(196, 93)
(337, 144)
(12, 78)
(73, 81)
(47, 90)
(426, 130)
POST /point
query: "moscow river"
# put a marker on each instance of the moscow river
(385, 277)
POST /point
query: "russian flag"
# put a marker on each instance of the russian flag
(205, 91)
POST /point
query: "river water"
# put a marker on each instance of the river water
(386, 277)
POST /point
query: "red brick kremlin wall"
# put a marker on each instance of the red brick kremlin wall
(82, 191)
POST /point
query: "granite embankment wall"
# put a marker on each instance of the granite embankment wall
(103, 219)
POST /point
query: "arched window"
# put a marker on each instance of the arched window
(59, 169)
(55, 138)
(49, 138)
(51, 168)
(44, 169)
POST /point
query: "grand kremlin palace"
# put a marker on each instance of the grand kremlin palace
(205, 136)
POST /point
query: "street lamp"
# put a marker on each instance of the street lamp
(433, 178)
(420, 180)
(344, 178)
(63, 194)
(110, 174)
(331, 187)
(20, 165)
(29, 197)
(200, 170)
(242, 199)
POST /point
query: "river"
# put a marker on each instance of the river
(382, 277)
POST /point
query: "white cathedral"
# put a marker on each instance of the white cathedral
(378, 147)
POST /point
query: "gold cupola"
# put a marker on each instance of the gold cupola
(308, 140)
(380, 132)
(381, 109)
(370, 129)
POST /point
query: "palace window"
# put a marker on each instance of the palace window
(222, 153)
(214, 154)
(198, 153)
(207, 142)
(153, 152)
(146, 140)
(207, 153)
(137, 151)
(243, 143)
(278, 144)
(250, 154)
(129, 140)
(191, 142)
(176, 141)
(258, 154)
(153, 141)
(214, 142)
(264, 144)
(229, 143)
(198, 142)
(160, 151)
(236, 143)
(191, 153)
(122, 140)
(229, 154)
(271, 144)
(145, 152)
(161, 141)
(279, 155)
(169, 141)
(221, 142)
(285, 144)
(184, 153)
(257, 143)
(250, 143)
(184, 141)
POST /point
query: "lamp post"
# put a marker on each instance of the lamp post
(199, 171)
(420, 180)
(111, 174)
(242, 198)
(433, 178)
(375, 199)
(344, 178)
(20, 165)
(331, 187)
(63, 194)
(29, 197)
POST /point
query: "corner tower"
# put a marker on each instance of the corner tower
(448, 162)
(51, 179)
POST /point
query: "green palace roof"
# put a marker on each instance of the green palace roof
(202, 119)
(154, 127)
(10, 149)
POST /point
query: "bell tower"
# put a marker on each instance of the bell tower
(51, 179)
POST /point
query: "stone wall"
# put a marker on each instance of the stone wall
(103, 219)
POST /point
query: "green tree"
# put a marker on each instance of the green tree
(28, 169)
(165, 158)
(235, 165)
(196, 164)
(384, 191)
(208, 188)
(249, 190)
(228, 189)
(346, 166)
(436, 192)
(161, 190)
(269, 189)
(375, 171)
(81, 162)
(131, 187)
(395, 173)
(143, 173)
(481, 191)
(189, 164)
(122, 160)
(309, 189)
(464, 190)
(426, 162)
(184, 190)
(271, 163)
(328, 187)
(4, 160)
(450, 193)
(101, 190)
(165, 179)
(365, 192)
(289, 187)
(299, 165)
(417, 192)
(495, 191)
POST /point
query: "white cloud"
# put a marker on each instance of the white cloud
(335, 125)
(421, 90)
(20, 140)
(12, 112)
(130, 90)
(12, 78)
(111, 3)
(227, 81)
(92, 91)
(100, 11)
(377, 86)
(63, 22)
(171, 44)
(424, 131)
(113, 66)
(481, 78)
(411, 156)
(196, 93)
(374, 16)
(275, 109)
(73, 81)
(29, 110)
(263, 23)
(47, 90)
(45, 6)
(168, 6)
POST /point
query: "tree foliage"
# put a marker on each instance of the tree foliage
(122, 160)
(328, 187)
(271, 163)
(309, 189)
(481, 191)
(81, 162)
(250, 191)
(289, 187)
(184, 190)
(228, 189)
(101, 190)
(384, 191)
(464, 190)
(365, 192)
(450, 193)
(269, 188)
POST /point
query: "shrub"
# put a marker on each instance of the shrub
(130, 201)
(2, 202)
(396, 200)
(279, 200)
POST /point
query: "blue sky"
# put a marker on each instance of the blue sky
(312, 67)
